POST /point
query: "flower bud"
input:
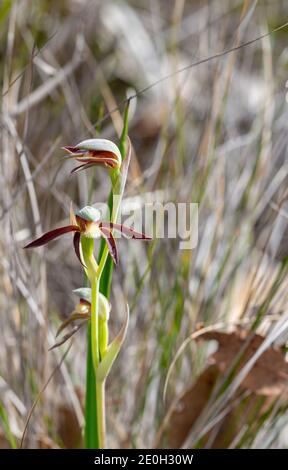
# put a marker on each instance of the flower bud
(95, 152)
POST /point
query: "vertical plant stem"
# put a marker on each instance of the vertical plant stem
(100, 386)
(95, 321)
(100, 279)
(91, 429)
(105, 262)
(100, 391)
(92, 437)
(103, 336)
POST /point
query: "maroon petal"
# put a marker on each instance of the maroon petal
(92, 162)
(104, 159)
(73, 318)
(111, 243)
(76, 241)
(68, 335)
(82, 167)
(101, 159)
(126, 231)
(47, 237)
(74, 150)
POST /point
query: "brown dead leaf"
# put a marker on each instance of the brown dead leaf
(68, 427)
(267, 380)
(183, 415)
(268, 377)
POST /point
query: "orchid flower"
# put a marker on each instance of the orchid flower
(87, 223)
(95, 152)
(82, 313)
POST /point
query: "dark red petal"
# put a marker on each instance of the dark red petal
(111, 243)
(89, 162)
(73, 318)
(101, 159)
(107, 159)
(82, 167)
(76, 241)
(73, 150)
(126, 231)
(47, 237)
(68, 335)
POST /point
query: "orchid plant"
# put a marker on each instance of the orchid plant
(93, 306)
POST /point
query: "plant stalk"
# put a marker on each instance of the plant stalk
(99, 328)
(91, 429)
(92, 267)
(95, 322)
(100, 392)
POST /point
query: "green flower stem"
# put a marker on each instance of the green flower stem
(92, 273)
(92, 268)
(91, 428)
(105, 253)
(100, 392)
(103, 336)
(99, 331)
(95, 322)
(118, 181)
(98, 338)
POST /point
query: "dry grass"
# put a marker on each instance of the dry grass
(215, 134)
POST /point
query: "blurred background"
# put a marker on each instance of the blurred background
(203, 363)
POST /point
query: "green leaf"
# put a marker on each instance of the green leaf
(91, 432)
